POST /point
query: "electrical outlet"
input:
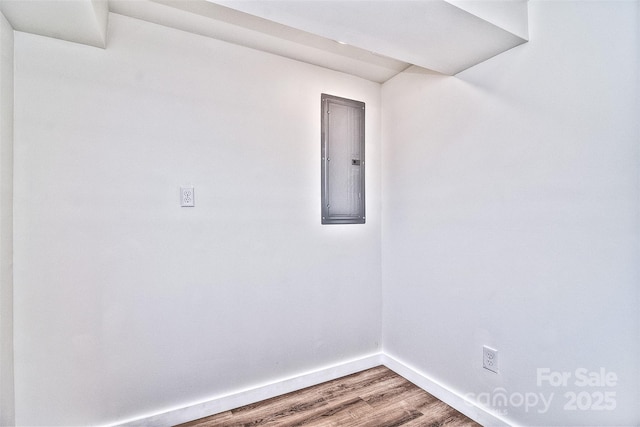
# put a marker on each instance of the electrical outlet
(186, 197)
(490, 359)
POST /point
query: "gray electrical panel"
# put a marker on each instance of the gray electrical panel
(343, 163)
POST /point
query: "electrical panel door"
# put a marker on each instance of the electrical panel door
(343, 197)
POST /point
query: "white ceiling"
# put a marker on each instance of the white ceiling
(383, 37)
(433, 34)
(80, 21)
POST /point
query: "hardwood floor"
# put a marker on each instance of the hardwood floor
(377, 397)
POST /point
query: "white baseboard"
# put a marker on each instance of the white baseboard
(287, 385)
(455, 400)
(255, 394)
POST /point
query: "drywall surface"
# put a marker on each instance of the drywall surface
(128, 305)
(435, 34)
(511, 209)
(509, 15)
(6, 223)
(79, 21)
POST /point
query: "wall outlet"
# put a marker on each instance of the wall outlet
(490, 359)
(186, 197)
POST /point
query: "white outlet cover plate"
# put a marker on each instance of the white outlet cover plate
(187, 197)
(490, 359)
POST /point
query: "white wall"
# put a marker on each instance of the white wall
(6, 222)
(127, 304)
(511, 216)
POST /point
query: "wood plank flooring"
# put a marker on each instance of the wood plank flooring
(377, 397)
